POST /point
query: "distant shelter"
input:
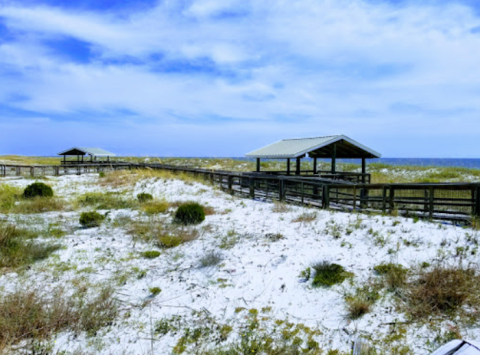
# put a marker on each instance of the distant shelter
(93, 155)
(329, 147)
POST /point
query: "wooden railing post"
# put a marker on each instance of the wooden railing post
(230, 183)
(392, 199)
(432, 198)
(251, 184)
(281, 190)
(384, 199)
(476, 208)
(325, 197)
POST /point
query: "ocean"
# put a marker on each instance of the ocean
(443, 162)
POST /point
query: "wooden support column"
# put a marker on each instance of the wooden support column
(258, 164)
(64, 159)
(288, 166)
(334, 158)
(364, 169)
(314, 165)
(297, 167)
(82, 158)
(78, 158)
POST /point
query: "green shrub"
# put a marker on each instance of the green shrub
(190, 213)
(155, 290)
(328, 274)
(151, 254)
(91, 219)
(38, 189)
(144, 197)
(101, 174)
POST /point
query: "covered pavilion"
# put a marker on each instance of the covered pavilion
(93, 153)
(330, 147)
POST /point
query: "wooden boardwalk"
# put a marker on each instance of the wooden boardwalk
(455, 202)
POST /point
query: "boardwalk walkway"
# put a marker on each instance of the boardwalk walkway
(455, 202)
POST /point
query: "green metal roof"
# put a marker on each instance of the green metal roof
(95, 152)
(320, 147)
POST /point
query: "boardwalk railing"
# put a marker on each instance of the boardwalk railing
(458, 202)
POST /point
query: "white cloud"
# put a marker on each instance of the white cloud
(291, 67)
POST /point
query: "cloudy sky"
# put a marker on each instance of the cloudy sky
(224, 77)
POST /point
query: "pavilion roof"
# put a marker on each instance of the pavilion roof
(95, 152)
(316, 147)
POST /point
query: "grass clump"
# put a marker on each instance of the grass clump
(144, 197)
(394, 275)
(8, 196)
(155, 207)
(29, 316)
(444, 289)
(91, 219)
(151, 254)
(210, 258)
(190, 213)
(38, 189)
(361, 302)
(328, 274)
(106, 201)
(17, 247)
(169, 241)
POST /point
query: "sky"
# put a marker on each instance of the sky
(221, 78)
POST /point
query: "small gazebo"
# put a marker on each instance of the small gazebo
(330, 147)
(93, 153)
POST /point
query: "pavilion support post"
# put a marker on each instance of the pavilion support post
(334, 158)
(258, 165)
(82, 158)
(364, 169)
(108, 158)
(297, 167)
(64, 159)
(288, 166)
(91, 158)
(78, 158)
(314, 165)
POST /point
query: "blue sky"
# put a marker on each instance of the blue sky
(224, 77)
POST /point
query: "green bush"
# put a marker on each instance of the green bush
(38, 189)
(190, 213)
(151, 254)
(144, 197)
(328, 274)
(101, 174)
(155, 290)
(91, 219)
